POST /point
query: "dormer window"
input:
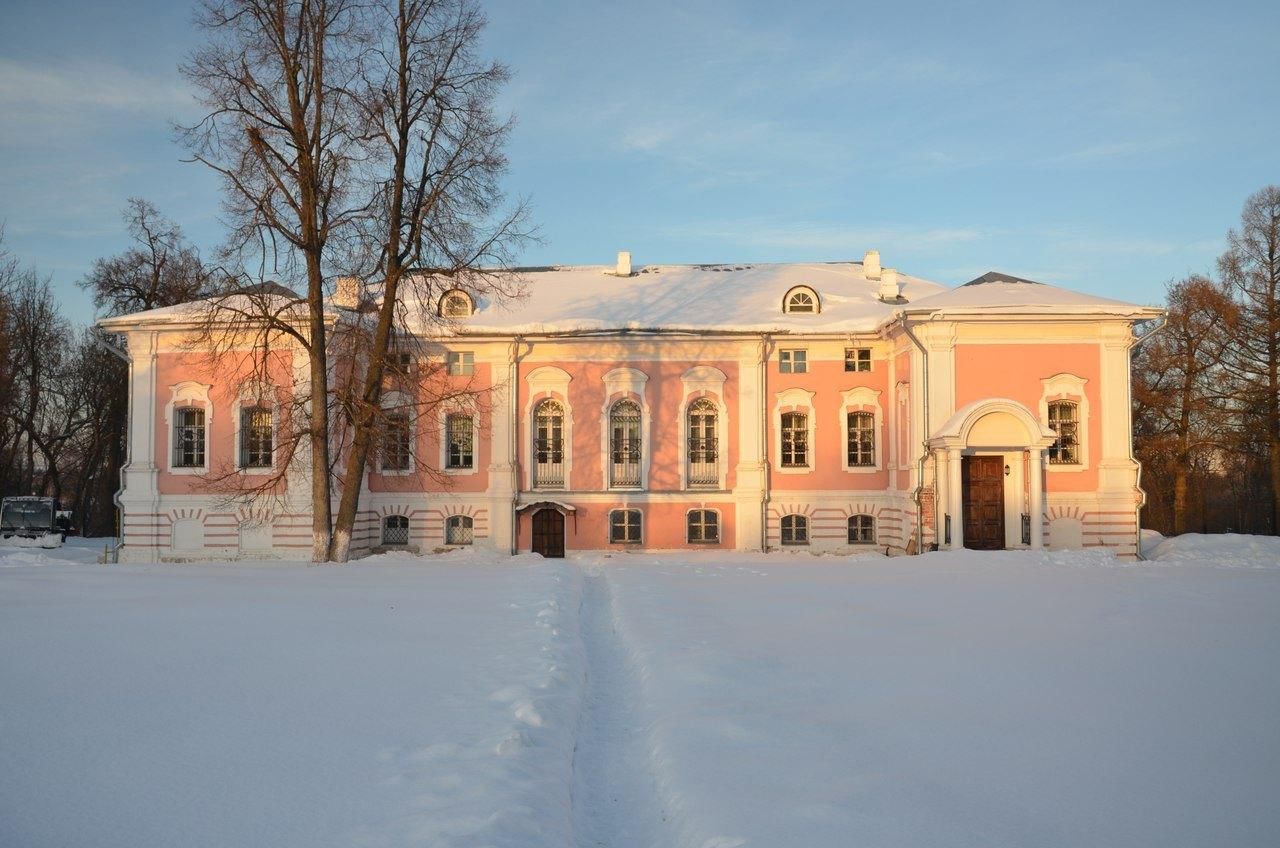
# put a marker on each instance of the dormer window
(801, 300)
(456, 304)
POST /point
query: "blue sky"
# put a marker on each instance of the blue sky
(1106, 147)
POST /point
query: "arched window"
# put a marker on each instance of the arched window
(458, 530)
(548, 445)
(624, 444)
(188, 437)
(1064, 419)
(795, 529)
(704, 467)
(257, 433)
(395, 531)
(795, 440)
(802, 300)
(704, 527)
(862, 439)
(625, 526)
(456, 304)
(862, 530)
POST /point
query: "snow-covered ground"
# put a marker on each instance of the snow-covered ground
(712, 701)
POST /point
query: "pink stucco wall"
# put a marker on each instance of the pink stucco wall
(663, 526)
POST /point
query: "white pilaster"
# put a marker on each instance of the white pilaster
(750, 471)
(955, 499)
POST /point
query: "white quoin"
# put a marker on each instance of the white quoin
(624, 263)
(871, 265)
(889, 287)
(346, 295)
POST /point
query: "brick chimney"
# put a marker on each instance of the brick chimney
(890, 289)
(346, 293)
(871, 265)
(624, 263)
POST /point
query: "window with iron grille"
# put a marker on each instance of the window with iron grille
(462, 363)
(256, 436)
(548, 444)
(862, 439)
(458, 530)
(396, 442)
(1064, 420)
(704, 468)
(395, 531)
(795, 530)
(793, 361)
(188, 437)
(460, 447)
(704, 527)
(795, 440)
(624, 444)
(862, 530)
(857, 359)
(624, 526)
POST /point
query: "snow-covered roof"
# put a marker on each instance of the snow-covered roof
(996, 292)
(246, 301)
(736, 296)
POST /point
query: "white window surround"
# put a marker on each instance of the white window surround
(182, 395)
(861, 399)
(699, 382)
(1067, 387)
(442, 427)
(257, 394)
(795, 290)
(549, 383)
(397, 402)
(624, 384)
(794, 400)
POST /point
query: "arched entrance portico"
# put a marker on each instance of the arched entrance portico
(990, 461)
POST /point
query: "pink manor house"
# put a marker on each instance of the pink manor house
(829, 407)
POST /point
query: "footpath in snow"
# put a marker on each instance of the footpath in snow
(716, 701)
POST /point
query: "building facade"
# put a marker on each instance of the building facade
(833, 407)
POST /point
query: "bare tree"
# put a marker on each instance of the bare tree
(1251, 266)
(160, 269)
(273, 76)
(435, 154)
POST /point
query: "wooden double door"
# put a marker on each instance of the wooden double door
(982, 479)
(548, 532)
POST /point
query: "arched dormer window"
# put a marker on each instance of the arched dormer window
(456, 304)
(801, 300)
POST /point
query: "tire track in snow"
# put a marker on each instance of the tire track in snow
(614, 800)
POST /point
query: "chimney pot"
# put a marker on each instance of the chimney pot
(624, 263)
(890, 290)
(871, 265)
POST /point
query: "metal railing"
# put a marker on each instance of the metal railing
(624, 468)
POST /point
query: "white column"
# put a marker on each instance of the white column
(750, 471)
(1036, 469)
(955, 499)
(942, 496)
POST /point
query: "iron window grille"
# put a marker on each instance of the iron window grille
(793, 361)
(396, 437)
(704, 468)
(458, 530)
(624, 444)
(548, 445)
(795, 440)
(461, 442)
(1065, 422)
(188, 438)
(257, 435)
(857, 359)
(624, 526)
(862, 530)
(704, 527)
(462, 363)
(795, 530)
(395, 531)
(862, 439)
(1026, 528)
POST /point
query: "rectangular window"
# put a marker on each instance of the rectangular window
(188, 438)
(793, 361)
(399, 363)
(396, 442)
(795, 440)
(256, 436)
(462, 363)
(704, 527)
(857, 359)
(624, 526)
(460, 442)
(862, 439)
(1064, 420)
